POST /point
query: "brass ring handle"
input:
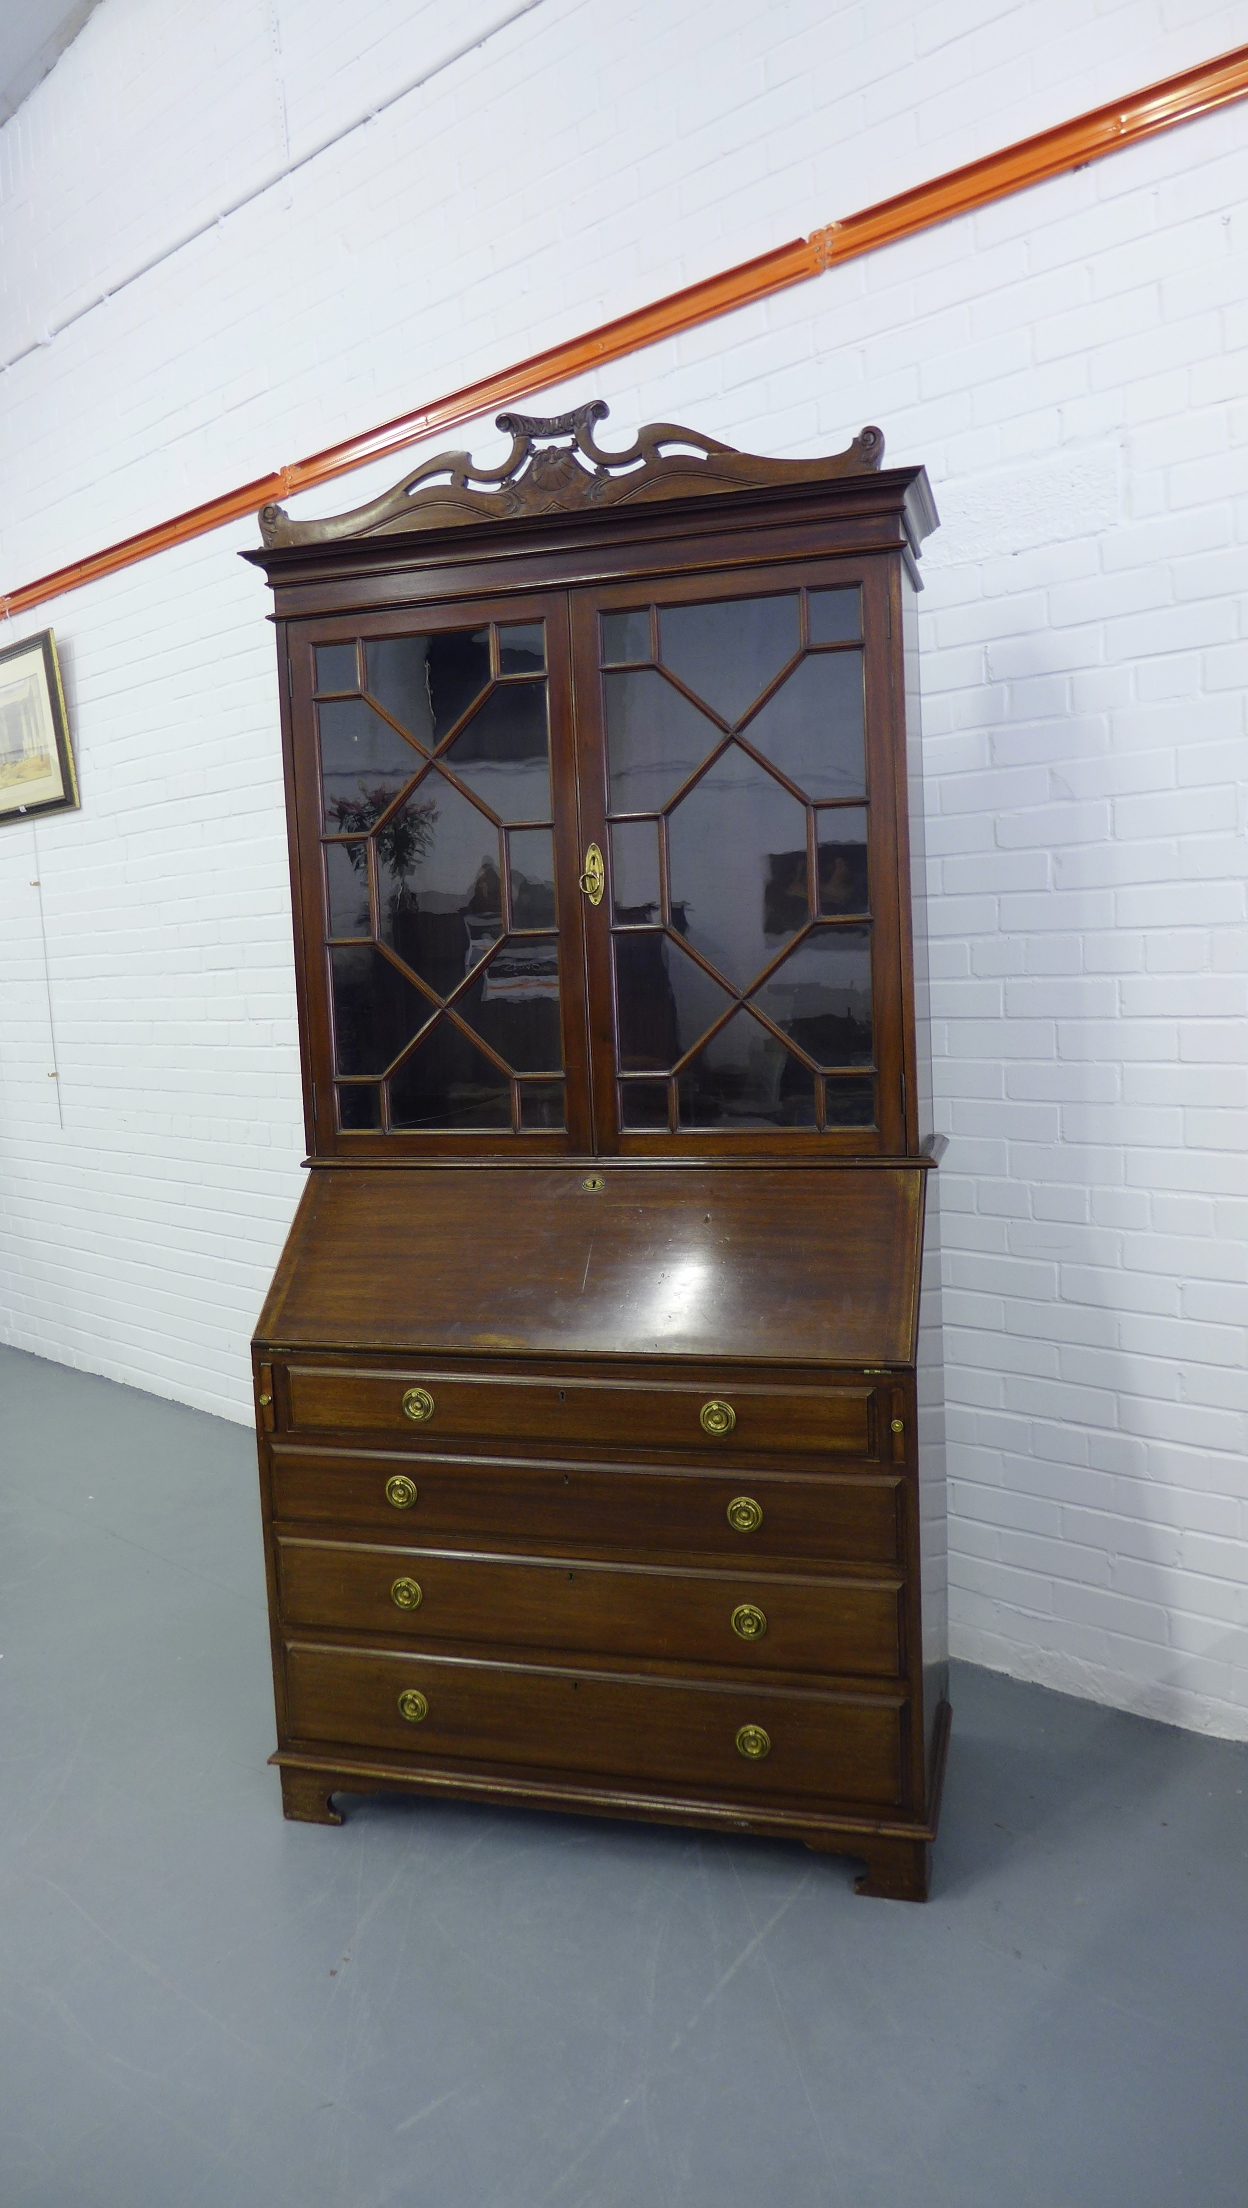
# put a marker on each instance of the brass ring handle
(717, 1417)
(401, 1491)
(754, 1742)
(744, 1514)
(412, 1705)
(418, 1404)
(749, 1622)
(406, 1594)
(594, 879)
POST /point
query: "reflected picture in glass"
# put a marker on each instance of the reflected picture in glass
(719, 838)
(514, 1004)
(428, 682)
(812, 729)
(821, 996)
(842, 862)
(745, 1078)
(728, 652)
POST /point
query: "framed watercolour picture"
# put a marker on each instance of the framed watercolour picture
(36, 762)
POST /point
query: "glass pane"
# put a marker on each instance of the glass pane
(643, 1106)
(522, 650)
(375, 1011)
(503, 754)
(655, 739)
(337, 667)
(447, 1083)
(364, 765)
(541, 1104)
(532, 858)
(635, 871)
(359, 1107)
(439, 904)
(346, 889)
(720, 840)
(849, 1103)
(429, 682)
(625, 638)
(842, 862)
(812, 728)
(745, 1078)
(514, 1004)
(729, 652)
(664, 1001)
(821, 996)
(835, 616)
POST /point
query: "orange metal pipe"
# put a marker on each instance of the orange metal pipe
(1071, 145)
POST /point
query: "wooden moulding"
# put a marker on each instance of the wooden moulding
(1070, 145)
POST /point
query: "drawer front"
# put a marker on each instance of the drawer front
(847, 1516)
(677, 1734)
(575, 1413)
(760, 1620)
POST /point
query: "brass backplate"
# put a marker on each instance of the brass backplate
(717, 1417)
(744, 1514)
(418, 1404)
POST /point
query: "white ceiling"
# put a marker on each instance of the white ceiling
(33, 36)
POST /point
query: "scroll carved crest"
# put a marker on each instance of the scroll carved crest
(556, 465)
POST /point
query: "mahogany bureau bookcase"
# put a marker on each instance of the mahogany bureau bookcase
(586, 1387)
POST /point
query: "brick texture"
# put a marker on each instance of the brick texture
(231, 235)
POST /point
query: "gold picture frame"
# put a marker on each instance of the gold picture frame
(36, 757)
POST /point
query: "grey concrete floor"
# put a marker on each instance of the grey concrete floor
(202, 2006)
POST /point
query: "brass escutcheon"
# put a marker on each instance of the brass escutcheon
(412, 1705)
(418, 1404)
(898, 1426)
(744, 1514)
(749, 1621)
(594, 878)
(405, 1594)
(717, 1417)
(401, 1491)
(592, 1183)
(753, 1741)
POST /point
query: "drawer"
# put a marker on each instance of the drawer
(853, 1517)
(679, 1734)
(764, 1621)
(415, 1406)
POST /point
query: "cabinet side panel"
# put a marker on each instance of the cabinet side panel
(933, 1524)
(918, 858)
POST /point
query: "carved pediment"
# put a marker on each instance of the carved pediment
(556, 465)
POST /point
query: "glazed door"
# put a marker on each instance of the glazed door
(736, 742)
(437, 850)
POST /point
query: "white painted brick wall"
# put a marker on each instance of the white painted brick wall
(1071, 365)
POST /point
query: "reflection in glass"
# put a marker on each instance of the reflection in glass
(337, 667)
(842, 861)
(720, 839)
(625, 638)
(359, 1106)
(541, 1105)
(812, 727)
(835, 616)
(643, 1106)
(531, 854)
(514, 1004)
(728, 652)
(448, 1083)
(655, 739)
(522, 649)
(502, 755)
(375, 1010)
(364, 765)
(439, 902)
(821, 996)
(635, 871)
(346, 889)
(745, 1078)
(428, 682)
(849, 1103)
(665, 1001)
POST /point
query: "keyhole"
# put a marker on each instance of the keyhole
(562, 1396)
